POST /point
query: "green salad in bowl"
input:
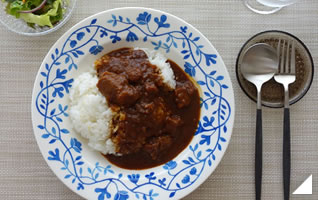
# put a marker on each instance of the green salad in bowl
(39, 16)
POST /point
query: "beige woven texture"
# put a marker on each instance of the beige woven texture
(227, 24)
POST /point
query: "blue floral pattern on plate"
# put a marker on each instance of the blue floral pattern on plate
(64, 152)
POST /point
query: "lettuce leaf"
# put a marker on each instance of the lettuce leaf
(17, 5)
(14, 7)
(52, 16)
(44, 19)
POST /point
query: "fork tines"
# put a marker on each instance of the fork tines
(287, 62)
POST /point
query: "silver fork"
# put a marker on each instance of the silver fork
(286, 75)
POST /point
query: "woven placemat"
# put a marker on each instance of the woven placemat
(227, 24)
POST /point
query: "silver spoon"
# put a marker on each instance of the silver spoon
(259, 64)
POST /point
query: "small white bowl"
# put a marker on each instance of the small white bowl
(19, 26)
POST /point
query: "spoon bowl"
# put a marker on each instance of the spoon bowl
(259, 64)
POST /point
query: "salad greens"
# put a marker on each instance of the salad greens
(36, 12)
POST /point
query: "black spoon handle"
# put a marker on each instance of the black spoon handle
(286, 154)
(258, 155)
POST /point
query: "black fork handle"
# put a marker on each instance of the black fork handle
(286, 154)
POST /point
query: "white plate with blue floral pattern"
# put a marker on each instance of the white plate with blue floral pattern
(87, 172)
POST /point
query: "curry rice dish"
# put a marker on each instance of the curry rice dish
(150, 113)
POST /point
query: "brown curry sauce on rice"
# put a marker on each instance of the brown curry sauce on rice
(153, 122)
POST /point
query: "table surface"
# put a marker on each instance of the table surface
(227, 24)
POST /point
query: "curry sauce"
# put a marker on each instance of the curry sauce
(153, 122)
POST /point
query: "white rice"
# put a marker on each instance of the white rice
(158, 59)
(89, 113)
